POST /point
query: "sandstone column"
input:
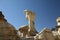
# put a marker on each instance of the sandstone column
(30, 16)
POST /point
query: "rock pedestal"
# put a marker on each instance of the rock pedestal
(23, 31)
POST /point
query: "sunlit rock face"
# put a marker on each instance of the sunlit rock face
(58, 21)
(7, 31)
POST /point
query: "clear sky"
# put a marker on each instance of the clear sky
(47, 11)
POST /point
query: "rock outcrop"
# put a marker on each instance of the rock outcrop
(7, 31)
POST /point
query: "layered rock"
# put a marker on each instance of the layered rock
(7, 31)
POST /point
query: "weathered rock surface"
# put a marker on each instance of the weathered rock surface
(7, 31)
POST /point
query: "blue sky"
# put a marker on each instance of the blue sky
(47, 11)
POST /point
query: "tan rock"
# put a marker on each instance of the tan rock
(31, 17)
(7, 31)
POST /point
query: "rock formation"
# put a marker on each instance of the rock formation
(23, 31)
(7, 31)
(27, 32)
(30, 16)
